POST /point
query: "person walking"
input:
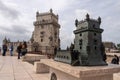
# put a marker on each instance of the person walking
(19, 47)
(11, 49)
(4, 47)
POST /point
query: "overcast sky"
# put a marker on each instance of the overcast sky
(17, 17)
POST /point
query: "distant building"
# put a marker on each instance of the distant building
(7, 41)
(110, 47)
(45, 37)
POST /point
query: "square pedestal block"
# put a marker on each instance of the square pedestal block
(40, 68)
(62, 71)
(64, 76)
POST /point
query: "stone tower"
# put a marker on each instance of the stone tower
(88, 41)
(45, 36)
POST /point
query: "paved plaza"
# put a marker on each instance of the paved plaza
(13, 69)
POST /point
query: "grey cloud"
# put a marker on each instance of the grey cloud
(8, 12)
(19, 29)
(4, 29)
(15, 33)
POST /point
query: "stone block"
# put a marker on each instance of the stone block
(64, 71)
(40, 67)
(61, 75)
(33, 57)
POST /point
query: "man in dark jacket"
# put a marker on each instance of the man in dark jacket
(4, 47)
(19, 50)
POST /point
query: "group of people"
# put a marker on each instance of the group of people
(21, 49)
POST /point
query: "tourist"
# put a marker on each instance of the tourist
(24, 49)
(4, 47)
(0, 50)
(115, 60)
(19, 47)
(11, 49)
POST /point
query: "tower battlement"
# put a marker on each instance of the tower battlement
(46, 16)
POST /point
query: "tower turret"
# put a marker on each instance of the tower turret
(51, 11)
(99, 20)
(76, 22)
(87, 17)
(37, 13)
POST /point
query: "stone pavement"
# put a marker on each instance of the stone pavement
(13, 69)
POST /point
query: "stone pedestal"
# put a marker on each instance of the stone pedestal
(41, 67)
(64, 76)
(62, 71)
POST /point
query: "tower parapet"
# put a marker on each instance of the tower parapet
(46, 18)
(46, 15)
